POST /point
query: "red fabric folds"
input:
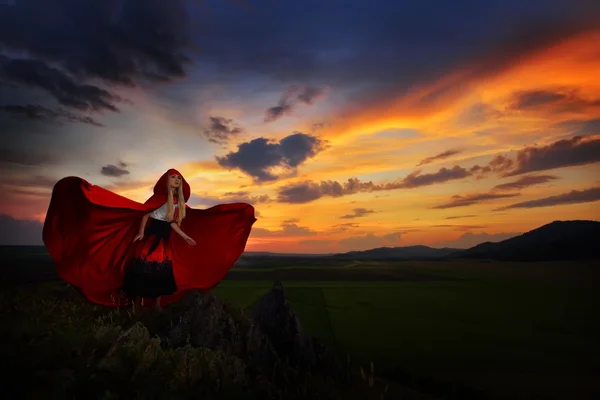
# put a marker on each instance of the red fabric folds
(89, 231)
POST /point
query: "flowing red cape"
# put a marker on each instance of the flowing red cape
(89, 230)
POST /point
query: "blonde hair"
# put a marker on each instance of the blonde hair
(180, 203)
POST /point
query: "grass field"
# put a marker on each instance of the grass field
(509, 330)
(515, 330)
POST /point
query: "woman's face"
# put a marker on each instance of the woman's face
(174, 181)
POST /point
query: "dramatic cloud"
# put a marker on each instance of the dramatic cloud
(415, 179)
(582, 128)
(572, 197)
(229, 197)
(555, 101)
(30, 181)
(498, 164)
(345, 227)
(29, 158)
(221, 130)
(115, 171)
(479, 114)
(259, 157)
(62, 87)
(441, 156)
(40, 113)
(79, 46)
(390, 47)
(525, 181)
(459, 227)
(563, 153)
(467, 200)
(19, 232)
(460, 216)
(357, 212)
(308, 191)
(290, 98)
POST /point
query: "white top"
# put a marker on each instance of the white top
(161, 213)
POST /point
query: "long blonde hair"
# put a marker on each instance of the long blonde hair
(180, 203)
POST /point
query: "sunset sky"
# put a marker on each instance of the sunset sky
(348, 124)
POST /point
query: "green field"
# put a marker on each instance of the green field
(514, 330)
(509, 330)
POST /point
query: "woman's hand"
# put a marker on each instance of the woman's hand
(189, 241)
(137, 237)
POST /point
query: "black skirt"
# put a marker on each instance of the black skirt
(150, 272)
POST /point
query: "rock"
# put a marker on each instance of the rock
(293, 344)
(272, 339)
(206, 323)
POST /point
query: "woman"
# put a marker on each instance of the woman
(114, 249)
(150, 272)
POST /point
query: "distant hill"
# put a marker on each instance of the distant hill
(397, 253)
(556, 241)
(270, 254)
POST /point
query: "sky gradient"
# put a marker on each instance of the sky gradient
(348, 125)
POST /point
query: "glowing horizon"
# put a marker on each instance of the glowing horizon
(500, 143)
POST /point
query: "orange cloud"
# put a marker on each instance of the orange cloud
(569, 63)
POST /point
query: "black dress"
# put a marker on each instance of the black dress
(150, 272)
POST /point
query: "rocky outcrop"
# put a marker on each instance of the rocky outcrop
(270, 338)
(275, 317)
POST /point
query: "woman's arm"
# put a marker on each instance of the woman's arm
(185, 237)
(143, 223)
(140, 234)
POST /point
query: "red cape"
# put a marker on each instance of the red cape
(89, 231)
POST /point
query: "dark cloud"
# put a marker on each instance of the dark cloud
(459, 227)
(357, 212)
(80, 52)
(441, 156)
(29, 158)
(222, 130)
(470, 199)
(66, 91)
(34, 181)
(229, 197)
(19, 232)
(115, 171)
(291, 97)
(555, 101)
(498, 164)
(257, 157)
(580, 127)
(525, 181)
(41, 113)
(388, 47)
(460, 216)
(415, 179)
(339, 228)
(563, 153)
(319, 125)
(572, 197)
(308, 191)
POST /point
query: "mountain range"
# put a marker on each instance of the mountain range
(558, 240)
